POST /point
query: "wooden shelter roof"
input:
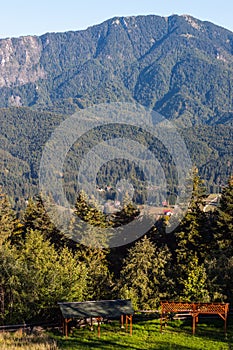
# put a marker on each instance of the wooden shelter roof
(102, 308)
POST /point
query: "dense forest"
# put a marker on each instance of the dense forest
(40, 266)
(178, 66)
(24, 133)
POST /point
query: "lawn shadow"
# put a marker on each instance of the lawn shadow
(98, 343)
(103, 344)
(207, 328)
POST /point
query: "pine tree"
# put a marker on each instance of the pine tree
(221, 264)
(195, 241)
(48, 276)
(99, 279)
(128, 213)
(195, 286)
(10, 226)
(193, 235)
(10, 284)
(220, 277)
(88, 211)
(143, 276)
(36, 218)
(88, 229)
(224, 222)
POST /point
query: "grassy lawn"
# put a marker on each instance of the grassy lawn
(146, 335)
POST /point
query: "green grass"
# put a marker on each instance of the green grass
(146, 335)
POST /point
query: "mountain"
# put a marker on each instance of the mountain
(179, 66)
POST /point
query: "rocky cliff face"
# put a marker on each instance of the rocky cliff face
(20, 61)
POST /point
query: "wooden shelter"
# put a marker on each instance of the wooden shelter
(194, 309)
(98, 310)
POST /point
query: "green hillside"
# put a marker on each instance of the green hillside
(178, 65)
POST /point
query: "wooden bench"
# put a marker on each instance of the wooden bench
(194, 310)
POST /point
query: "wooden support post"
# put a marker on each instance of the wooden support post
(131, 324)
(20, 332)
(63, 326)
(130, 319)
(194, 324)
(161, 322)
(225, 321)
(66, 328)
(98, 320)
(122, 321)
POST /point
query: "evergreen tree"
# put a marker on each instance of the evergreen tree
(195, 286)
(36, 218)
(221, 263)
(220, 276)
(10, 284)
(88, 211)
(128, 213)
(144, 275)
(88, 224)
(99, 279)
(10, 226)
(224, 224)
(189, 235)
(88, 228)
(194, 240)
(48, 276)
(10, 230)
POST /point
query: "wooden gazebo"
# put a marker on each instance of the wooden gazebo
(98, 310)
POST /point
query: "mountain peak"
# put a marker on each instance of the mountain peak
(170, 64)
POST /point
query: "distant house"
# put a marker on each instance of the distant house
(167, 212)
(211, 202)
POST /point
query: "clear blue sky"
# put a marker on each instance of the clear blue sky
(28, 17)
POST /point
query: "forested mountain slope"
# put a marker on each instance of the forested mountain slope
(178, 65)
